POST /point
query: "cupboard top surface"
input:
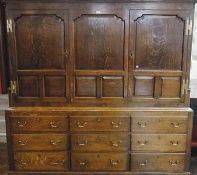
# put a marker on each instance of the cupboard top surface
(120, 1)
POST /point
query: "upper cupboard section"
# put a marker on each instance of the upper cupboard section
(61, 52)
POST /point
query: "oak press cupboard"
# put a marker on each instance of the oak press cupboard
(99, 86)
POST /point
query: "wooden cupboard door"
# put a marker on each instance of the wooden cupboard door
(100, 55)
(38, 51)
(159, 41)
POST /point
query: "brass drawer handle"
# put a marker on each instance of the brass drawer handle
(22, 143)
(142, 143)
(116, 124)
(21, 124)
(53, 163)
(53, 142)
(176, 125)
(53, 125)
(81, 125)
(114, 162)
(174, 143)
(144, 163)
(98, 119)
(142, 125)
(116, 144)
(82, 143)
(83, 164)
(23, 163)
(174, 162)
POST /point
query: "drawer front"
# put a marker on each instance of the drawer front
(159, 143)
(39, 161)
(20, 124)
(100, 162)
(100, 142)
(92, 123)
(160, 125)
(40, 141)
(152, 162)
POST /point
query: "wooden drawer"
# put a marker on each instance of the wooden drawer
(41, 161)
(158, 162)
(160, 125)
(92, 123)
(159, 143)
(40, 141)
(100, 162)
(20, 124)
(100, 142)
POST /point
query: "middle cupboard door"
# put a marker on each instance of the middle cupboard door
(100, 51)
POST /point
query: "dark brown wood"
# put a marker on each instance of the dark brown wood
(56, 161)
(33, 142)
(29, 124)
(99, 162)
(99, 123)
(3, 50)
(159, 124)
(101, 87)
(100, 142)
(158, 143)
(158, 162)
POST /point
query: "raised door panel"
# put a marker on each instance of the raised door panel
(99, 42)
(28, 86)
(171, 87)
(55, 86)
(159, 41)
(144, 86)
(112, 86)
(40, 41)
(85, 86)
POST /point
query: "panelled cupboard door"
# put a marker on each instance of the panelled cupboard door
(159, 53)
(100, 51)
(38, 51)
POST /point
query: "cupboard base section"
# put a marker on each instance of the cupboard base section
(96, 173)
